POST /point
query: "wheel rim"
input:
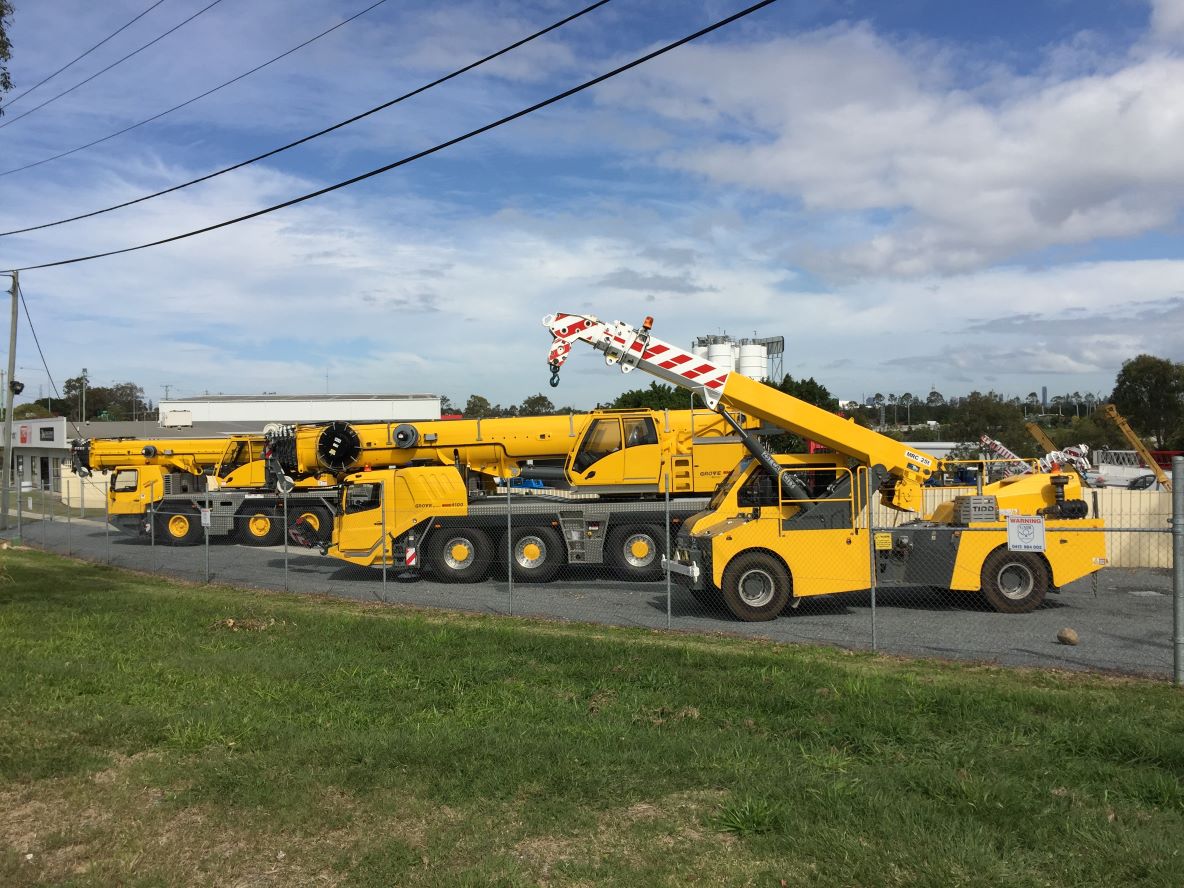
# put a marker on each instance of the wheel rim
(259, 525)
(312, 519)
(178, 526)
(1015, 581)
(639, 550)
(530, 552)
(756, 588)
(459, 553)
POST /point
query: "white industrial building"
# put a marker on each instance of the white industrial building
(190, 412)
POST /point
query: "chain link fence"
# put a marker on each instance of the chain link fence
(906, 589)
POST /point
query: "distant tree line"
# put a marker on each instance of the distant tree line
(1148, 391)
(80, 402)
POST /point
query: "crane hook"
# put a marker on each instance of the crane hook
(554, 375)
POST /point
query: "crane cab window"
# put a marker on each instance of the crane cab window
(124, 480)
(603, 437)
(759, 490)
(640, 431)
(237, 454)
(362, 498)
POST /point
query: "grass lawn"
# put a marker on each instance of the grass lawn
(160, 734)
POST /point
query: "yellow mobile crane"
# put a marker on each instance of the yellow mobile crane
(1137, 445)
(160, 487)
(766, 540)
(437, 484)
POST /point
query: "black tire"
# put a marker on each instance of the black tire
(180, 526)
(536, 554)
(316, 522)
(259, 526)
(635, 552)
(756, 587)
(1015, 582)
(459, 555)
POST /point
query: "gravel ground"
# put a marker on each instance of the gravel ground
(1123, 617)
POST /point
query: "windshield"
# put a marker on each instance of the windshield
(717, 498)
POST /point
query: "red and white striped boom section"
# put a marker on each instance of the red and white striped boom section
(631, 347)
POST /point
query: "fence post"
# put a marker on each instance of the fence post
(207, 520)
(869, 504)
(20, 490)
(69, 528)
(107, 525)
(1178, 569)
(382, 507)
(667, 549)
(509, 547)
(152, 522)
(284, 497)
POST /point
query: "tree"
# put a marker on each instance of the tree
(990, 414)
(906, 401)
(36, 410)
(5, 50)
(935, 399)
(1149, 392)
(536, 405)
(81, 401)
(656, 397)
(477, 407)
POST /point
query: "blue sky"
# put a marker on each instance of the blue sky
(914, 194)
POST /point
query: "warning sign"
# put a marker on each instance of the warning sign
(1025, 533)
(883, 542)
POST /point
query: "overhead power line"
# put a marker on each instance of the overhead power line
(458, 72)
(45, 80)
(109, 67)
(425, 153)
(128, 129)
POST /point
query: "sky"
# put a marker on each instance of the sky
(916, 195)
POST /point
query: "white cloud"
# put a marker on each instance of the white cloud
(847, 122)
(1167, 20)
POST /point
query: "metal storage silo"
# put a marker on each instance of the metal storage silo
(753, 361)
(721, 353)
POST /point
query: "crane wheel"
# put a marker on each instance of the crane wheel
(180, 527)
(536, 554)
(461, 555)
(315, 523)
(756, 587)
(1015, 582)
(260, 526)
(635, 552)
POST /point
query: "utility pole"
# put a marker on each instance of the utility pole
(8, 393)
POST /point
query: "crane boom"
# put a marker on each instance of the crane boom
(1137, 443)
(636, 348)
(189, 455)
